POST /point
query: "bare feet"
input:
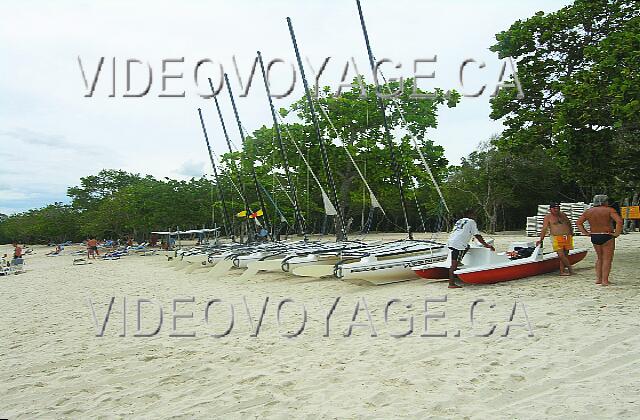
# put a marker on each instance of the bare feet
(598, 281)
(454, 286)
(606, 283)
(565, 274)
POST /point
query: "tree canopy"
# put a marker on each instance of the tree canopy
(579, 69)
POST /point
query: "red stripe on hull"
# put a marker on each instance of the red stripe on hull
(519, 271)
(434, 273)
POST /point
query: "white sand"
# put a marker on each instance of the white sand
(583, 360)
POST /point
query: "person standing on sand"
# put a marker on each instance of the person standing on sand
(601, 218)
(17, 251)
(92, 247)
(562, 236)
(464, 229)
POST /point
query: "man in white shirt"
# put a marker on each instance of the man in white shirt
(464, 229)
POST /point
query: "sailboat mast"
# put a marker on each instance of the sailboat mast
(227, 224)
(387, 135)
(234, 169)
(342, 234)
(283, 155)
(253, 169)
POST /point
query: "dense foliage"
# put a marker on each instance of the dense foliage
(580, 73)
(114, 204)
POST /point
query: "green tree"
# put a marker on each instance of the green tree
(504, 188)
(579, 69)
(359, 126)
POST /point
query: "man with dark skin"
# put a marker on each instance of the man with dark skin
(463, 231)
(600, 218)
(561, 234)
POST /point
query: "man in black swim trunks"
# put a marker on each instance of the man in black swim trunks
(600, 218)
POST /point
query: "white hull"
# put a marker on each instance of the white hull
(275, 265)
(311, 259)
(242, 261)
(389, 270)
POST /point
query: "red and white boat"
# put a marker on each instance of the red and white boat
(483, 266)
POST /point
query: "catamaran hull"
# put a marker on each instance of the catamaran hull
(242, 261)
(433, 273)
(517, 270)
(290, 264)
(387, 271)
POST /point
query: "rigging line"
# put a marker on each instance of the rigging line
(387, 132)
(373, 196)
(364, 203)
(335, 201)
(253, 170)
(263, 164)
(225, 219)
(301, 155)
(285, 161)
(358, 169)
(394, 101)
(424, 161)
(393, 223)
(415, 198)
(282, 218)
(308, 191)
(235, 187)
(213, 209)
(329, 208)
(275, 177)
(366, 147)
(235, 169)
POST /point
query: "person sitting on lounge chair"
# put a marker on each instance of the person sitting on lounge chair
(262, 235)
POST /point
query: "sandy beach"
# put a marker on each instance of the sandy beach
(583, 358)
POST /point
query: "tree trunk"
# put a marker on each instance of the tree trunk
(626, 225)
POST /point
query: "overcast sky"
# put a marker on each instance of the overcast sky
(51, 134)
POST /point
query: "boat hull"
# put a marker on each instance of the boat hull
(433, 272)
(516, 270)
(388, 271)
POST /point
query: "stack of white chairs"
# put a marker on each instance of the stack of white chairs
(572, 210)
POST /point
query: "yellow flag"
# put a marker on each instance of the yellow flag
(242, 213)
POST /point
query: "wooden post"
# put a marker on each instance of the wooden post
(625, 217)
(634, 202)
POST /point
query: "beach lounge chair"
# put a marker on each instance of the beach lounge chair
(16, 266)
